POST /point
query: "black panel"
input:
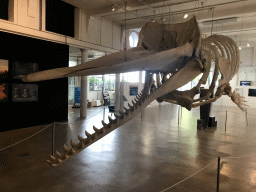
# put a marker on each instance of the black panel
(4, 9)
(60, 17)
(52, 102)
(252, 92)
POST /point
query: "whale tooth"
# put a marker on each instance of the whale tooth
(121, 112)
(103, 123)
(126, 109)
(103, 130)
(52, 158)
(95, 129)
(80, 138)
(116, 115)
(88, 134)
(110, 119)
(58, 153)
(82, 145)
(59, 160)
(65, 148)
(72, 143)
(48, 161)
(73, 151)
(129, 105)
(66, 155)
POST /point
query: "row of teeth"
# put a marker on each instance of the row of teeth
(85, 142)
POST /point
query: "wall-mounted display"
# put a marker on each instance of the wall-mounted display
(4, 68)
(245, 83)
(252, 92)
(20, 68)
(133, 90)
(4, 89)
(24, 92)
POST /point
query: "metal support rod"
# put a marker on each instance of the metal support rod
(180, 111)
(53, 131)
(125, 32)
(179, 116)
(104, 114)
(226, 121)
(246, 116)
(218, 175)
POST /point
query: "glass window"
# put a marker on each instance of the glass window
(96, 82)
(133, 39)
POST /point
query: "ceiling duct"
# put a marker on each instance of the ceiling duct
(221, 21)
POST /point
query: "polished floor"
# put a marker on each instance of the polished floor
(151, 153)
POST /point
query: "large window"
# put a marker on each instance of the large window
(98, 82)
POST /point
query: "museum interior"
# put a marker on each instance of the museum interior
(128, 95)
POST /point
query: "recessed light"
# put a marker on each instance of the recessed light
(248, 45)
(240, 48)
(185, 16)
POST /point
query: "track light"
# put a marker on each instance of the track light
(185, 16)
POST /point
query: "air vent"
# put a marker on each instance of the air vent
(221, 21)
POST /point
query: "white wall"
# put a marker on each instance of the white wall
(225, 100)
(27, 18)
(97, 30)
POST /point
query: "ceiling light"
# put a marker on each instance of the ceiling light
(240, 48)
(113, 8)
(185, 16)
(248, 45)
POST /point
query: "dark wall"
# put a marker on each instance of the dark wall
(60, 17)
(4, 9)
(52, 104)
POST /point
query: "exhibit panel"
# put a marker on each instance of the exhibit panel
(31, 104)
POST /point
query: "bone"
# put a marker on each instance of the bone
(116, 115)
(103, 123)
(58, 154)
(72, 151)
(65, 148)
(95, 129)
(80, 138)
(88, 134)
(110, 119)
(129, 105)
(72, 143)
(59, 160)
(52, 158)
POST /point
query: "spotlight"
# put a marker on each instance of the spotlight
(185, 16)
(248, 45)
(113, 8)
(240, 48)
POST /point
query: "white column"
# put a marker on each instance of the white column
(117, 92)
(83, 97)
(140, 76)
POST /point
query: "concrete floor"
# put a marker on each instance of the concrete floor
(149, 154)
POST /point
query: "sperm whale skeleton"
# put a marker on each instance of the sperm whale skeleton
(177, 54)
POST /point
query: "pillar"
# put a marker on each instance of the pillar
(140, 76)
(117, 92)
(83, 97)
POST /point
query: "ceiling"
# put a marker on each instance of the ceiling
(234, 18)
